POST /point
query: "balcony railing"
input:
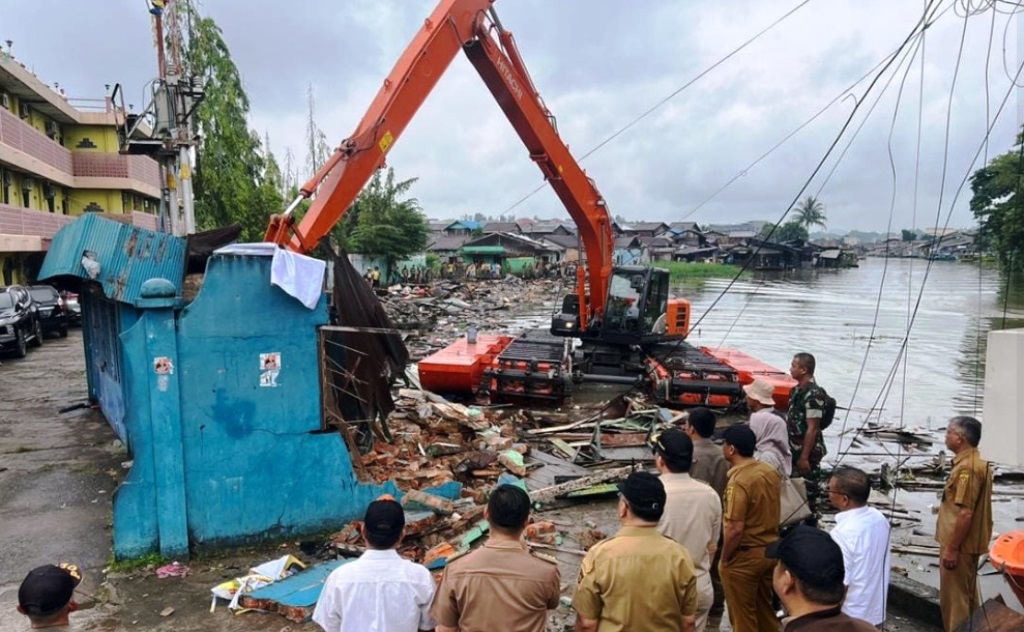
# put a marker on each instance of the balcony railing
(27, 221)
(15, 220)
(20, 135)
(101, 165)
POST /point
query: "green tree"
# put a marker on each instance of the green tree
(236, 179)
(999, 208)
(790, 231)
(908, 235)
(810, 212)
(390, 226)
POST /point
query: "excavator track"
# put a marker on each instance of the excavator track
(684, 375)
(531, 370)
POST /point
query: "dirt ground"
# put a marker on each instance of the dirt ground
(58, 473)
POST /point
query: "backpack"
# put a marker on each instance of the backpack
(828, 412)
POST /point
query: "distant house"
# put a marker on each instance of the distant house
(679, 227)
(647, 229)
(952, 244)
(497, 247)
(762, 255)
(733, 234)
(569, 244)
(437, 226)
(446, 246)
(524, 224)
(541, 229)
(695, 254)
(502, 227)
(461, 227)
(629, 251)
(659, 248)
(687, 233)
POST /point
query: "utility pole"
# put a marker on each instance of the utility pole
(169, 138)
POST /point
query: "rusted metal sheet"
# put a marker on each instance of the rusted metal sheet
(128, 255)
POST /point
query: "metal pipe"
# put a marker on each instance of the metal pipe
(294, 205)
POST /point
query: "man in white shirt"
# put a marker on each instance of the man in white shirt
(380, 590)
(769, 427)
(693, 512)
(862, 533)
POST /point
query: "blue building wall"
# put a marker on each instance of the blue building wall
(253, 458)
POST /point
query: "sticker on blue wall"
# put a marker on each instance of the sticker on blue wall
(163, 366)
(270, 366)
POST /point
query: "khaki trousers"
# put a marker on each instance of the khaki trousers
(958, 591)
(747, 581)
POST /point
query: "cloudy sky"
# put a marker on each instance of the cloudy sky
(599, 64)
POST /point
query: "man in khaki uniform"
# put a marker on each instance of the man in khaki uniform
(693, 512)
(639, 579)
(964, 525)
(751, 518)
(502, 585)
(710, 467)
(708, 463)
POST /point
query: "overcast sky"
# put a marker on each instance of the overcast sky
(599, 64)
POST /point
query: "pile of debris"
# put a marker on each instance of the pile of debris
(435, 315)
(445, 457)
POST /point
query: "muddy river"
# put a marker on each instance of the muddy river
(855, 322)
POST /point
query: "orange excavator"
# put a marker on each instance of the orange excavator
(631, 331)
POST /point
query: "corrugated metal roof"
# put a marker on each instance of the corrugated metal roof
(128, 255)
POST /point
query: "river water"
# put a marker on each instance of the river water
(855, 322)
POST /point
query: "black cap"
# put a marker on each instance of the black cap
(741, 437)
(47, 589)
(385, 518)
(645, 493)
(675, 446)
(811, 555)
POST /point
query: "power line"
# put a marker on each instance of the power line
(668, 98)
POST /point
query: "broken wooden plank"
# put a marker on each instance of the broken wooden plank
(564, 448)
(602, 476)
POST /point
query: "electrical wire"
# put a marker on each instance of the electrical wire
(909, 55)
(922, 24)
(666, 99)
(918, 28)
(928, 267)
(892, 212)
(988, 119)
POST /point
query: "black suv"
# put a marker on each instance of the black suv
(18, 324)
(51, 311)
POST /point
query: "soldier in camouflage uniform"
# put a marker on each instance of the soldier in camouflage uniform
(806, 407)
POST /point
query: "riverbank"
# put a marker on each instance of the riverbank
(680, 270)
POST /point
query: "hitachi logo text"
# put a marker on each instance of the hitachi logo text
(510, 79)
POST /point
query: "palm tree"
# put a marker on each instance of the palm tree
(810, 212)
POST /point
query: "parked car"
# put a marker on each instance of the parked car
(73, 308)
(50, 310)
(18, 324)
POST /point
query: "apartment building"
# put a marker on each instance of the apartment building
(58, 159)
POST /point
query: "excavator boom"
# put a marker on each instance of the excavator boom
(473, 27)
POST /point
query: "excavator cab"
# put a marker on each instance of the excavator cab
(634, 314)
(637, 300)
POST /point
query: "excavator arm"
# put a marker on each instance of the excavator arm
(472, 26)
